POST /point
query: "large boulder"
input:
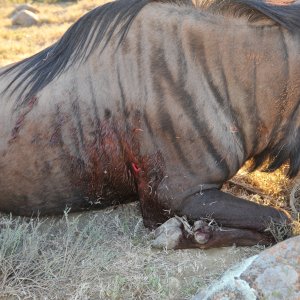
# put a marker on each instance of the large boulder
(25, 18)
(273, 274)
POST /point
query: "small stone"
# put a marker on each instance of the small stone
(25, 18)
(21, 7)
(167, 235)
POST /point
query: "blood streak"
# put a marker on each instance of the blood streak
(21, 118)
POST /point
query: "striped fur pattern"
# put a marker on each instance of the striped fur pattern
(159, 99)
(101, 24)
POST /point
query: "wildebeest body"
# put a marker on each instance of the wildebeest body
(174, 110)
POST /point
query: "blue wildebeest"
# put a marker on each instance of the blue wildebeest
(156, 101)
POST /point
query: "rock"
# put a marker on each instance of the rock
(273, 274)
(25, 18)
(21, 7)
(168, 234)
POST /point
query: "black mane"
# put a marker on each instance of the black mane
(285, 15)
(99, 25)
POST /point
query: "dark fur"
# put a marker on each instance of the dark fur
(285, 150)
(101, 23)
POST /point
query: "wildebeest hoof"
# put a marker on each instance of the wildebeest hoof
(168, 235)
(177, 233)
(202, 232)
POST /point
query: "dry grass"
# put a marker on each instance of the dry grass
(107, 254)
(18, 43)
(101, 255)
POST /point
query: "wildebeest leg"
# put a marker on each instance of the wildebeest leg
(206, 237)
(230, 211)
(238, 221)
(153, 212)
(176, 233)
